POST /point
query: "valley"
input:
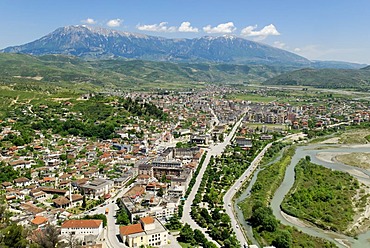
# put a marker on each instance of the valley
(116, 139)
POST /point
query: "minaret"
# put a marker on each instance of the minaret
(70, 193)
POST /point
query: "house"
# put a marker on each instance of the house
(98, 188)
(39, 221)
(148, 232)
(62, 202)
(22, 182)
(77, 200)
(83, 230)
(243, 142)
(200, 139)
(52, 191)
(7, 185)
(20, 164)
(266, 137)
(37, 194)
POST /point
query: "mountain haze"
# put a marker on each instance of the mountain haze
(92, 42)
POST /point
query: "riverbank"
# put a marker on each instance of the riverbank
(258, 204)
(322, 196)
(362, 218)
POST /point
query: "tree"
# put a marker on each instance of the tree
(122, 217)
(283, 239)
(263, 216)
(72, 241)
(160, 192)
(84, 202)
(63, 156)
(187, 234)
(48, 237)
(199, 237)
(174, 223)
(13, 236)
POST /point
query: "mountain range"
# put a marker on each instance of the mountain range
(104, 57)
(94, 42)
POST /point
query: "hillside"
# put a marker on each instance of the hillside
(92, 42)
(324, 78)
(61, 70)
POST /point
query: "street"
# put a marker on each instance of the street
(238, 183)
(212, 151)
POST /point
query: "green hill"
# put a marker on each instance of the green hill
(324, 78)
(67, 71)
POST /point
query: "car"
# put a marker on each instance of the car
(229, 205)
(237, 226)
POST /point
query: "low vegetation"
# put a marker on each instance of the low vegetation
(324, 78)
(357, 159)
(266, 228)
(67, 71)
(322, 196)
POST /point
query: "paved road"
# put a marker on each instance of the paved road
(112, 229)
(228, 204)
(213, 150)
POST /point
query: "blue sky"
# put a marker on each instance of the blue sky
(316, 29)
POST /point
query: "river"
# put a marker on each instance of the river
(363, 240)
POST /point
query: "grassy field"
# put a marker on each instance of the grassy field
(355, 137)
(357, 159)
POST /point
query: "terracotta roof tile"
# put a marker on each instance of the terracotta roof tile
(60, 201)
(81, 223)
(38, 220)
(147, 220)
(130, 229)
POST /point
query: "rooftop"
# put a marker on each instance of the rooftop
(147, 220)
(130, 229)
(82, 223)
(38, 220)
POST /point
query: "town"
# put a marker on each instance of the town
(115, 169)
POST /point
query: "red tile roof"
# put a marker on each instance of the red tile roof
(130, 229)
(82, 223)
(147, 220)
(38, 220)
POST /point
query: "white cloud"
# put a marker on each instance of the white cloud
(279, 44)
(89, 21)
(161, 27)
(221, 28)
(186, 27)
(114, 23)
(261, 34)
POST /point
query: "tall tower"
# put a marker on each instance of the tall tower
(70, 194)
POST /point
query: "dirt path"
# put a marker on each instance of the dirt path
(14, 101)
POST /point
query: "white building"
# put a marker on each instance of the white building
(98, 188)
(148, 232)
(81, 229)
